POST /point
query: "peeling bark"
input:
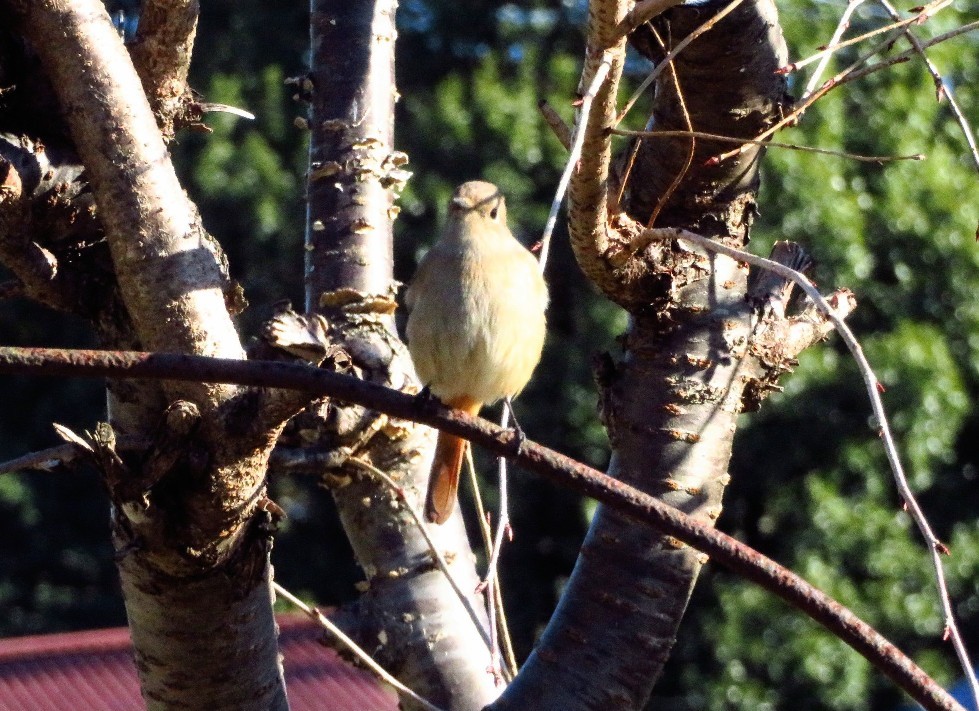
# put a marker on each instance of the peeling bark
(410, 617)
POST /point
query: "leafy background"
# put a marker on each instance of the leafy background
(809, 481)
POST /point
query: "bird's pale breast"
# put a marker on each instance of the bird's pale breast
(476, 326)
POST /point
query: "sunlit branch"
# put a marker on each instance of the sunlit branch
(941, 88)
(769, 144)
(900, 24)
(874, 387)
(852, 73)
(578, 140)
(841, 26)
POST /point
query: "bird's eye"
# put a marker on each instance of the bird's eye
(494, 212)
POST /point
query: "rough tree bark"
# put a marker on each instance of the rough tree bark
(410, 617)
(692, 361)
(192, 545)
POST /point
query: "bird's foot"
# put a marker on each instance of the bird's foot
(520, 436)
(425, 398)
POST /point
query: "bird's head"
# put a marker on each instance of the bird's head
(478, 198)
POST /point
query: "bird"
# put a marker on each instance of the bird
(476, 322)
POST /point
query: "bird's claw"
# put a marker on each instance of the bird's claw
(519, 435)
(425, 398)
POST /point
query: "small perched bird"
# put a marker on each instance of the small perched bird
(476, 323)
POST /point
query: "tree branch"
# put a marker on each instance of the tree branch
(168, 269)
(533, 457)
(588, 193)
(161, 55)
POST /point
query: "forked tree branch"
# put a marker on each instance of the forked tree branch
(533, 457)
(168, 270)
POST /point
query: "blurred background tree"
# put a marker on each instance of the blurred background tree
(810, 484)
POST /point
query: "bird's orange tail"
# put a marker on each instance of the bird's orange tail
(443, 482)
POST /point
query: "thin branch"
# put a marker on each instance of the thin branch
(874, 388)
(510, 666)
(530, 456)
(899, 24)
(47, 459)
(43, 461)
(852, 73)
(769, 144)
(941, 88)
(577, 143)
(433, 549)
(553, 119)
(841, 26)
(502, 628)
(682, 105)
(502, 526)
(910, 53)
(803, 105)
(363, 656)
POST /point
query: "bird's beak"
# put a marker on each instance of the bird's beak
(461, 203)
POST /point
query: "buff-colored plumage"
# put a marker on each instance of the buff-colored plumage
(476, 325)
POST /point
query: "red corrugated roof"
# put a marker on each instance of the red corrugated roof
(93, 671)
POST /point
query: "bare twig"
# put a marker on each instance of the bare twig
(909, 54)
(530, 456)
(800, 108)
(899, 24)
(553, 119)
(363, 656)
(682, 104)
(874, 387)
(45, 460)
(576, 145)
(941, 88)
(852, 73)
(502, 525)
(439, 559)
(769, 144)
(841, 27)
(510, 659)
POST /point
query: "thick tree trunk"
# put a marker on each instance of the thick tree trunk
(671, 402)
(192, 548)
(222, 654)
